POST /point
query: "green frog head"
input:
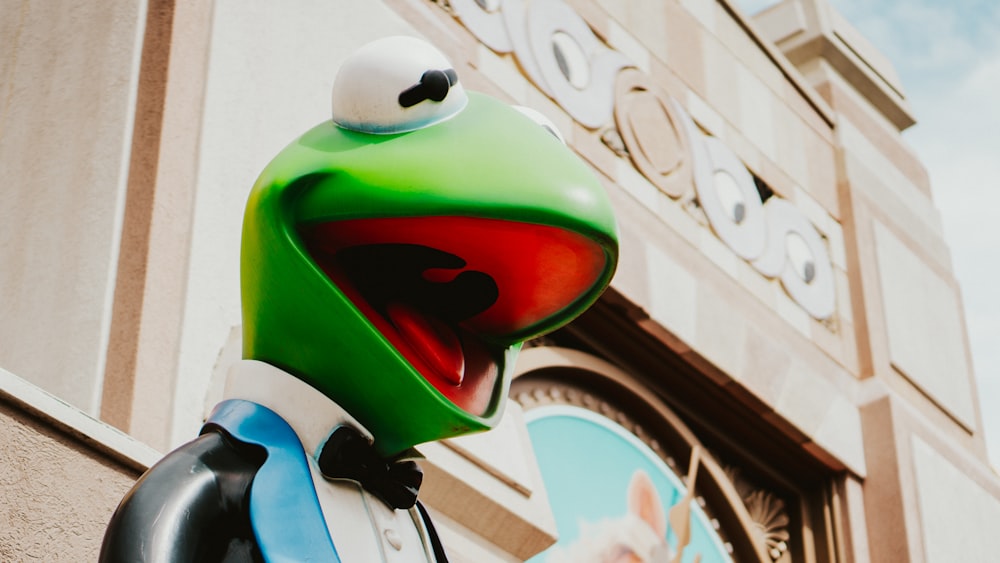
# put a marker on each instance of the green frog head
(396, 257)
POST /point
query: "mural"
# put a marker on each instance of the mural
(614, 499)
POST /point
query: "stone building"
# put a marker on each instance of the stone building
(782, 351)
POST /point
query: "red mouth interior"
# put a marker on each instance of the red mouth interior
(454, 332)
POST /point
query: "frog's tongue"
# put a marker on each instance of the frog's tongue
(433, 339)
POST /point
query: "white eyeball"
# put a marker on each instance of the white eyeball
(539, 118)
(395, 85)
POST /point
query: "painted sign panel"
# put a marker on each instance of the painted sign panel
(614, 499)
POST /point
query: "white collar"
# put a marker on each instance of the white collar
(309, 412)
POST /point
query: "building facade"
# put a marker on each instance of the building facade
(782, 354)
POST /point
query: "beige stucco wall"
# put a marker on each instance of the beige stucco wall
(56, 494)
(927, 497)
(954, 507)
(68, 73)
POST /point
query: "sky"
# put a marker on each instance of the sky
(947, 54)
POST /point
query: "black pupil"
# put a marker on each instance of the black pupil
(433, 85)
(436, 84)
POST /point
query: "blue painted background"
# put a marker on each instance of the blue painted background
(587, 462)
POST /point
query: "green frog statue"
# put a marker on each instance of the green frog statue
(393, 261)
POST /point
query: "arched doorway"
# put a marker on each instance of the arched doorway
(618, 463)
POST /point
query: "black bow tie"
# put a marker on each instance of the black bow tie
(348, 455)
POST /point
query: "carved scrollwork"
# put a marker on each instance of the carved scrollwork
(767, 511)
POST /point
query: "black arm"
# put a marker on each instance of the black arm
(190, 506)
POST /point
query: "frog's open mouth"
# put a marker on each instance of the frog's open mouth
(451, 293)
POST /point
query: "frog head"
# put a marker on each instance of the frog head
(396, 257)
